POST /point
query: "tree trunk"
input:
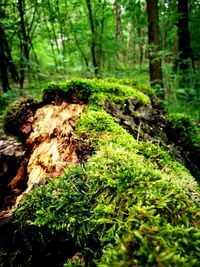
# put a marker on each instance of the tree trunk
(24, 62)
(154, 43)
(141, 45)
(77, 43)
(3, 62)
(183, 35)
(118, 26)
(93, 41)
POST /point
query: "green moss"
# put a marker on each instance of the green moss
(73, 263)
(127, 199)
(95, 91)
(183, 129)
(16, 114)
(130, 82)
(150, 249)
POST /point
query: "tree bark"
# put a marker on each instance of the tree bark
(3, 62)
(24, 62)
(93, 41)
(154, 43)
(183, 35)
(118, 26)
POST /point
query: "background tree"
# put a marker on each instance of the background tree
(154, 43)
(3, 61)
(183, 35)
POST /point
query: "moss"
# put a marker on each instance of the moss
(126, 201)
(145, 88)
(17, 114)
(93, 91)
(73, 263)
(183, 129)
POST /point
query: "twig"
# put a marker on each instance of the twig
(138, 134)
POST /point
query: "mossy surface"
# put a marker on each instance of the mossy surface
(94, 91)
(183, 130)
(17, 114)
(131, 201)
(130, 204)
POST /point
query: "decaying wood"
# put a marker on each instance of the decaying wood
(52, 146)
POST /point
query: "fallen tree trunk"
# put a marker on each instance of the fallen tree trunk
(131, 202)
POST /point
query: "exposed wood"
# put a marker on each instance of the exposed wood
(52, 146)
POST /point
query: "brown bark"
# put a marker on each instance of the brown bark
(154, 43)
(183, 35)
(93, 41)
(3, 62)
(118, 26)
(24, 62)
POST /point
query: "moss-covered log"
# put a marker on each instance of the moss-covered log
(131, 202)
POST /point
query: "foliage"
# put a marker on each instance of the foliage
(7, 98)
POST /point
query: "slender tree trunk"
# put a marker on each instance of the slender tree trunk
(51, 44)
(93, 41)
(141, 45)
(8, 56)
(3, 71)
(54, 30)
(24, 62)
(118, 26)
(3, 62)
(61, 26)
(99, 53)
(77, 42)
(183, 35)
(154, 43)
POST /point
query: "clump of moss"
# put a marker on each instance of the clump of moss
(183, 130)
(92, 91)
(17, 114)
(131, 82)
(73, 91)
